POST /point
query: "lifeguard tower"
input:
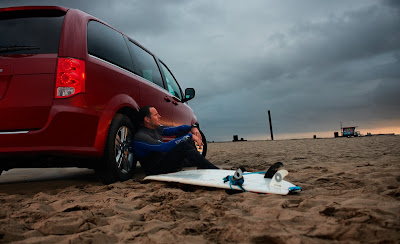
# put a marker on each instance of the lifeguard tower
(350, 131)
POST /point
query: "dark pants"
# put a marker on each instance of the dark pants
(183, 155)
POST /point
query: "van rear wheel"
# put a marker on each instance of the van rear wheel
(117, 164)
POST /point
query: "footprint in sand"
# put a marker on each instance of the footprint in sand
(293, 203)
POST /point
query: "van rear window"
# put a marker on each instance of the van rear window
(30, 31)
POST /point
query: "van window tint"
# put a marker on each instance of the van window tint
(144, 64)
(30, 31)
(172, 84)
(108, 44)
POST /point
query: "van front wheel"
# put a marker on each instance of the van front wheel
(203, 150)
(117, 164)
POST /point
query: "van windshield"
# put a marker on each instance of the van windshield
(30, 31)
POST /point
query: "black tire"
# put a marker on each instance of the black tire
(117, 163)
(204, 152)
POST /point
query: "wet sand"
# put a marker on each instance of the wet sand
(351, 193)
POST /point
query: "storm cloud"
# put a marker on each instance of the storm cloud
(314, 64)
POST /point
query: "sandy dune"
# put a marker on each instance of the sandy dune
(351, 194)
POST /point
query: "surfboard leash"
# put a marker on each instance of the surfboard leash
(235, 182)
(251, 173)
(236, 179)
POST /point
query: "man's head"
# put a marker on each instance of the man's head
(149, 117)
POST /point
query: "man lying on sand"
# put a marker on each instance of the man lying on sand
(157, 157)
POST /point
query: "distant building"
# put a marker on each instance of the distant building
(236, 138)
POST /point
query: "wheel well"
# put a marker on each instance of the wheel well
(130, 113)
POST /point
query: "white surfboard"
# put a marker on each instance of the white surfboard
(253, 182)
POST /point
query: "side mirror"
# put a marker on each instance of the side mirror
(189, 94)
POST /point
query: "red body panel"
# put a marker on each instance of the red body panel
(27, 93)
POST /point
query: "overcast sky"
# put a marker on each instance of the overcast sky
(314, 64)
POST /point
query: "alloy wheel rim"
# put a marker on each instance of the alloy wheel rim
(123, 158)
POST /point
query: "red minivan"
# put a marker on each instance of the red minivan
(70, 88)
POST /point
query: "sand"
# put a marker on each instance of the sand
(351, 193)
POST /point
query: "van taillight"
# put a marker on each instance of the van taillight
(70, 77)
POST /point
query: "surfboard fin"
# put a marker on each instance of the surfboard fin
(238, 173)
(277, 179)
(237, 176)
(273, 169)
(235, 179)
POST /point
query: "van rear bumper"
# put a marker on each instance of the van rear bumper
(69, 130)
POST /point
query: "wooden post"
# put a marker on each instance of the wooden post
(270, 125)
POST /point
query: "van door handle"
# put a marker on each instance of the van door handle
(175, 103)
(167, 99)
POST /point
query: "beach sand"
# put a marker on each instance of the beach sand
(351, 194)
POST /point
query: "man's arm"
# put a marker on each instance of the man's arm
(194, 130)
(172, 131)
(142, 148)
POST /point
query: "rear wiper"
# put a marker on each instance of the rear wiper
(4, 49)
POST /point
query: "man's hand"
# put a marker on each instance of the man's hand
(195, 131)
(197, 140)
(196, 137)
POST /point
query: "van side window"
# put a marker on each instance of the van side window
(108, 44)
(172, 84)
(144, 64)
